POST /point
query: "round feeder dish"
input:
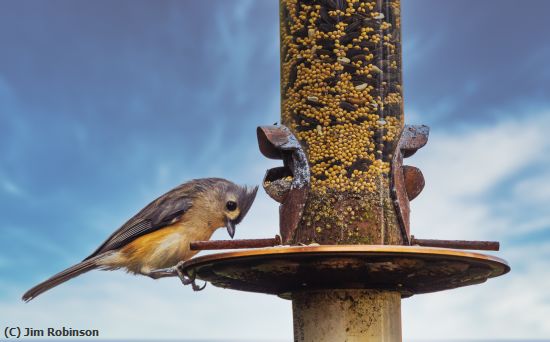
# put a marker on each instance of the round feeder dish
(407, 269)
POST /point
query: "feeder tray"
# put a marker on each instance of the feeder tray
(407, 269)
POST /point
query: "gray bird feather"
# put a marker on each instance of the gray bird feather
(162, 211)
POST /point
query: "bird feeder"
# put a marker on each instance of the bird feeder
(345, 255)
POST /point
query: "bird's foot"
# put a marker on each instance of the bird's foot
(187, 279)
(159, 273)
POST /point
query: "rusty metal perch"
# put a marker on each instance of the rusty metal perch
(276, 241)
(235, 244)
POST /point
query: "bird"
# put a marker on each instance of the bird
(156, 239)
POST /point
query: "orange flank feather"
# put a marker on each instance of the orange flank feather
(159, 249)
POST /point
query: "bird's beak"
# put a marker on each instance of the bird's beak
(230, 225)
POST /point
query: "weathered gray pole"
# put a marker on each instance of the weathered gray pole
(347, 315)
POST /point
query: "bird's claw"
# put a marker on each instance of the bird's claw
(187, 279)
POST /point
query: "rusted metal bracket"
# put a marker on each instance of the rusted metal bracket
(289, 184)
(407, 181)
(235, 244)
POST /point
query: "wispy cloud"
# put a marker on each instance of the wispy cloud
(465, 172)
(462, 169)
(11, 188)
(511, 307)
(137, 309)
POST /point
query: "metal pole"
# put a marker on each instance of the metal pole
(347, 315)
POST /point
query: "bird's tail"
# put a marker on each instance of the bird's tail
(63, 276)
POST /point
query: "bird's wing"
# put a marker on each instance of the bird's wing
(159, 213)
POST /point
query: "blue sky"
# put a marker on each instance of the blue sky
(105, 105)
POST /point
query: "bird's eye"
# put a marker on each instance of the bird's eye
(230, 205)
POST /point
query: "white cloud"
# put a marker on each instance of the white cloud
(515, 306)
(461, 170)
(534, 195)
(121, 306)
(534, 190)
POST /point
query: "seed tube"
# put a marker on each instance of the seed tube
(342, 97)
